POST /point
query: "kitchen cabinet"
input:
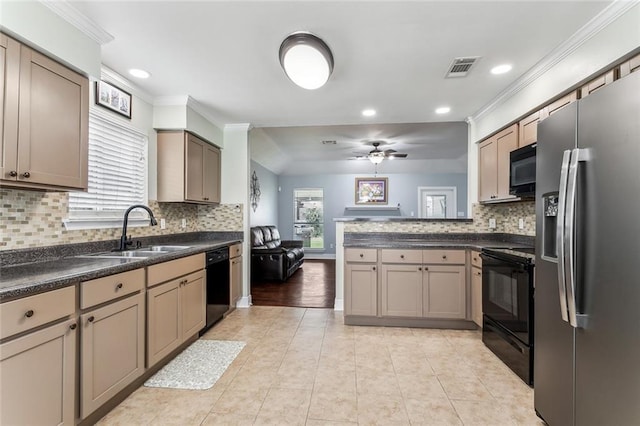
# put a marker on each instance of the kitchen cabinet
(629, 66)
(175, 308)
(38, 368)
(116, 327)
(558, 104)
(423, 283)
(597, 84)
(188, 168)
(476, 287)
(494, 165)
(45, 117)
(235, 273)
(361, 282)
(528, 129)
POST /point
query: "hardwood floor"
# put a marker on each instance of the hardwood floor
(312, 286)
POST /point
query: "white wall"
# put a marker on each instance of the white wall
(36, 25)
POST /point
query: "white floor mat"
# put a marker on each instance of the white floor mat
(197, 367)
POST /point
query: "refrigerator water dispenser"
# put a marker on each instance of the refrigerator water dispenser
(549, 248)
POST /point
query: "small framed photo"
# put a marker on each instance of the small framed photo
(113, 98)
(371, 190)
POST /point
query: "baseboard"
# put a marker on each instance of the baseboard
(244, 302)
(312, 256)
(338, 305)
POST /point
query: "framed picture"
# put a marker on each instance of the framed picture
(113, 98)
(371, 190)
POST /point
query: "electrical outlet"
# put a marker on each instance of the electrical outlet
(521, 223)
(331, 245)
(163, 224)
(492, 223)
(184, 223)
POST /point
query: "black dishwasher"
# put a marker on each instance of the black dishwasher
(218, 286)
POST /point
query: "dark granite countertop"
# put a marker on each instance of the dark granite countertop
(476, 241)
(23, 279)
(399, 219)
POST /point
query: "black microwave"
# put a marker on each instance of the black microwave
(522, 171)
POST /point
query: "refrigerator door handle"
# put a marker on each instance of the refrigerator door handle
(560, 231)
(577, 156)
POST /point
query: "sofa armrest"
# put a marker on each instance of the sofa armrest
(267, 251)
(291, 243)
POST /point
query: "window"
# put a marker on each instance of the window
(117, 175)
(308, 217)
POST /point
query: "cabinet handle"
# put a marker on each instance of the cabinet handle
(73, 326)
(118, 286)
(26, 175)
(13, 173)
(29, 313)
(91, 318)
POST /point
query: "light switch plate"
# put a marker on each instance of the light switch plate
(163, 224)
(521, 223)
(492, 223)
(184, 223)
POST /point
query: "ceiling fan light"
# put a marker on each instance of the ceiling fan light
(306, 59)
(376, 157)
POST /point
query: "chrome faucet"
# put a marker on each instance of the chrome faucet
(124, 241)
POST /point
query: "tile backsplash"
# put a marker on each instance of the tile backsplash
(506, 216)
(34, 219)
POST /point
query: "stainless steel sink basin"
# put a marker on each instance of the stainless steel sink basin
(140, 254)
(167, 249)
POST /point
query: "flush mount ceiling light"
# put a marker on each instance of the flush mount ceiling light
(501, 69)
(306, 59)
(368, 112)
(443, 110)
(139, 73)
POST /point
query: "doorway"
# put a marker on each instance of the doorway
(437, 202)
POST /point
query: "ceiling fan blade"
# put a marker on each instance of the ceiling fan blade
(389, 151)
(398, 155)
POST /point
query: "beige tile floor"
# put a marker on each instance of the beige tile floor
(305, 367)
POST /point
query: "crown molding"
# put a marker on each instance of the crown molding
(612, 12)
(186, 101)
(238, 126)
(66, 11)
(109, 75)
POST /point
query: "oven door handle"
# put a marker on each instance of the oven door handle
(520, 265)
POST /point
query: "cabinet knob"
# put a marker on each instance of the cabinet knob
(402, 256)
(374, 268)
(118, 286)
(361, 254)
(73, 326)
(13, 173)
(419, 268)
(29, 313)
(26, 175)
(426, 269)
(444, 256)
(91, 318)
(478, 273)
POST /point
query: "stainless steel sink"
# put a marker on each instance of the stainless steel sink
(125, 254)
(167, 249)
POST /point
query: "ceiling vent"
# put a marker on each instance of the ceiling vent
(328, 142)
(460, 67)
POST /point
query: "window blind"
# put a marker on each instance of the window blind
(117, 171)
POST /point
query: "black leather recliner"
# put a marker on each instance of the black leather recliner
(271, 257)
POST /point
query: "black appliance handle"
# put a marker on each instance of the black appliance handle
(521, 265)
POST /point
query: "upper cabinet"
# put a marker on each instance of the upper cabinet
(558, 104)
(188, 168)
(494, 165)
(45, 114)
(629, 66)
(528, 129)
(597, 83)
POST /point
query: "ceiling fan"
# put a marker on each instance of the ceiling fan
(376, 155)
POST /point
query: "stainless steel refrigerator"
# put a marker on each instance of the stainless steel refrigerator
(587, 284)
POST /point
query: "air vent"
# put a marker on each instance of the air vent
(460, 67)
(328, 142)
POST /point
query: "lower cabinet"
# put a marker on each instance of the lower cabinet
(235, 273)
(476, 295)
(112, 351)
(38, 377)
(361, 289)
(401, 290)
(443, 292)
(176, 311)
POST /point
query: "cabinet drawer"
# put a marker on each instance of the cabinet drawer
(361, 255)
(401, 256)
(166, 271)
(453, 257)
(476, 260)
(235, 250)
(23, 314)
(108, 288)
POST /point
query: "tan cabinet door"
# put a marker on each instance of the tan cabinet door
(10, 89)
(528, 128)
(211, 174)
(476, 295)
(507, 141)
(53, 123)
(361, 289)
(194, 172)
(192, 304)
(112, 354)
(164, 328)
(401, 290)
(38, 377)
(597, 84)
(236, 279)
(488, 166)
(444, 294)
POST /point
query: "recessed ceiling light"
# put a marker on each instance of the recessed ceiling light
(368, 112)
(139, 73)
(443, 110)
(501, 69)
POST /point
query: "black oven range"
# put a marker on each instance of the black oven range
(507, 307)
